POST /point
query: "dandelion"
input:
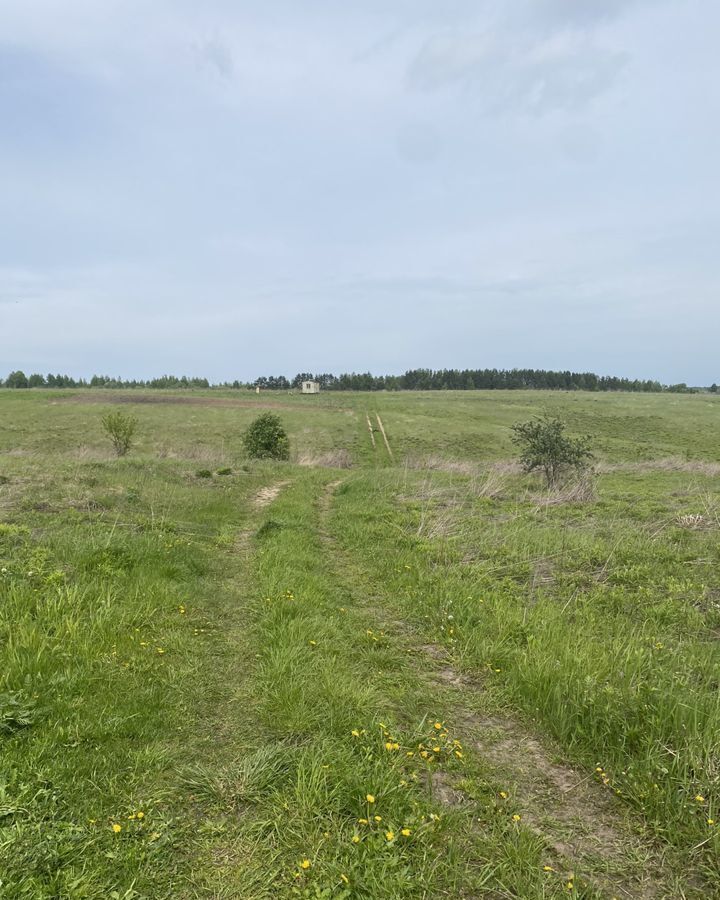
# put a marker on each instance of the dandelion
(438, 726)
(355, 732)
(344, 878)
(405, 832)
(370, 798)
(390, 835)
(313, 643)
(548, 869)
(516, 818)
(305, 864)
(116, 828)
(160, 650)
(711, 821)
(504, 795)
(363, 821)
(699, 798)
(356, 839)
(378, 818)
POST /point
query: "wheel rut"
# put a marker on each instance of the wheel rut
(584, 826)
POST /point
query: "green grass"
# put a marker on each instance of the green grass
(244, 675)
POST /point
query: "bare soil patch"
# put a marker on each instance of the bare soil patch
(266, 495)
(176, 400)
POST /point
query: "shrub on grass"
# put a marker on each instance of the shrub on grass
(121, 429)
(544, 445)
(267, 439)
(203, 473)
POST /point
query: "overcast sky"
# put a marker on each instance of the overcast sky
(233, 188)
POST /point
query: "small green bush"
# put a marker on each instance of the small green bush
(203, 473)
(267, 439)
(121, 429)
(544, 445)
(226, 471)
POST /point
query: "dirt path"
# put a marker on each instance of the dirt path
(584, 826)
(266, 495)
(371, 430)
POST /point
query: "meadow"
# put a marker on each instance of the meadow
(395, 666)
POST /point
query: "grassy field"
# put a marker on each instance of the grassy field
(364, 673)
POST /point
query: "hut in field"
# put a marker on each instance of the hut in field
(310, 387)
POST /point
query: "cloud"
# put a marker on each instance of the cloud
(217, 55)
(506, 73)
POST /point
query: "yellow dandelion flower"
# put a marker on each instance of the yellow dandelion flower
(405, 832)
(370, 798)
(459, 754)
(363, 821)
(390, 835)
(313, 643)
(116, 828)
(504, 795)
(378, 818)
(548, 869)
(355, 732)
(344, 878)
(516, 818)
(699, 798)
(438, 726)
(711, 821)
(355, 839)
(305, 864)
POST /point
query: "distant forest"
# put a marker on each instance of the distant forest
(412, 380)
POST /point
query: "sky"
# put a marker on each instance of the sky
(235, 188)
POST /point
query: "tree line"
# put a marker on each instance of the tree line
(412, 380)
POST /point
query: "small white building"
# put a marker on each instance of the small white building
(310, 387)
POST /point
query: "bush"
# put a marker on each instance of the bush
(121, 430)
(544, 445)
(203, 473)
(267, 439)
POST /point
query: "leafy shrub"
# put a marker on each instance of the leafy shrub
(203, 473)
(121, 429)
(544, 445)
(267, 439)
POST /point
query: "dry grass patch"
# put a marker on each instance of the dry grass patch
(331, 459)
